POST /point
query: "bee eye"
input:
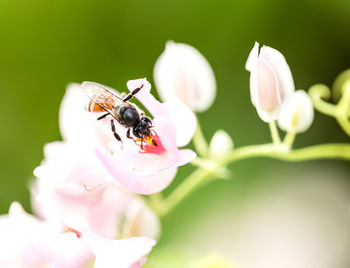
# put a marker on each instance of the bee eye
(146, 120)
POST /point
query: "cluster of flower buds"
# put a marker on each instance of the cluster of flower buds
(273, 93)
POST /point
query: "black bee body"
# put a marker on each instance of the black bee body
(104, 100)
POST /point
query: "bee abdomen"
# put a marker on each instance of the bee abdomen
(93, 107)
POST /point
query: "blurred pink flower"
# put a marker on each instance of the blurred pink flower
(150, 170)
(125, 253)
(73, 188)
(271, 81)
(27, 242)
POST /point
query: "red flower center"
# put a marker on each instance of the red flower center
(151, 144)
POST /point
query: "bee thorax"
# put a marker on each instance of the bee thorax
(129, 116)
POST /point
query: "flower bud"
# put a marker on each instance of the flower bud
(271, 81)
(298, 114)
(181, 70)
(221, 143)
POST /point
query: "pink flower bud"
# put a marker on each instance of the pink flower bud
(181, 70)
(271, 81)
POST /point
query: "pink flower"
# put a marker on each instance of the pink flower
(27, 242)
(271, 81)
(126, 253)
(150, 170)
(74, 189)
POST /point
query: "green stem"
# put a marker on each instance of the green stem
(317, 94)
(200, 142)
(274, 132)
(202, 175)
(344, 123)
(183, 190)
(289, 138)
(343, 108)
(340, 111)
(336, 150)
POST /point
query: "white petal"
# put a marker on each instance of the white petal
(183, 119)
(281, 68)
(252, 58)
(117, 253)
(252, 66)
(271, 81)
(183, 71)
(76, 124)
(221, 143)
(298, 113)
(141, 221)
(174, 111)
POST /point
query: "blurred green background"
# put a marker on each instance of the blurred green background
(44, 45)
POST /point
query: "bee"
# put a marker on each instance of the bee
(120, 109)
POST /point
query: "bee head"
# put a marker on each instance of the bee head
(143, 128)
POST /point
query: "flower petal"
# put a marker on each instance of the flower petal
(181, 117)
(282, 70)
(123, 169)
(140, 220)
(76, 124)
(251, 66)
(118, 253)
(298, 114)
(182, 71)
(271, 81)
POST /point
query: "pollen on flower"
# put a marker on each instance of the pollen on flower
(151, 144)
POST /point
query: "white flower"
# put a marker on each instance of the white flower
(181, 70)
(298, 114)
(271, 81)
(221, 143)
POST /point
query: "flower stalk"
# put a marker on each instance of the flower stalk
(208, 168)
(274, 133)
(200, 142)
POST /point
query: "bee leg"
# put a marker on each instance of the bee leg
(114, 132)
(141, 144)
(102, 116)
(128, 135)
(133, 93)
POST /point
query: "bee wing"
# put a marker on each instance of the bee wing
(102, 99)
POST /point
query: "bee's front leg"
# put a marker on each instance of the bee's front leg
(128, 134)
